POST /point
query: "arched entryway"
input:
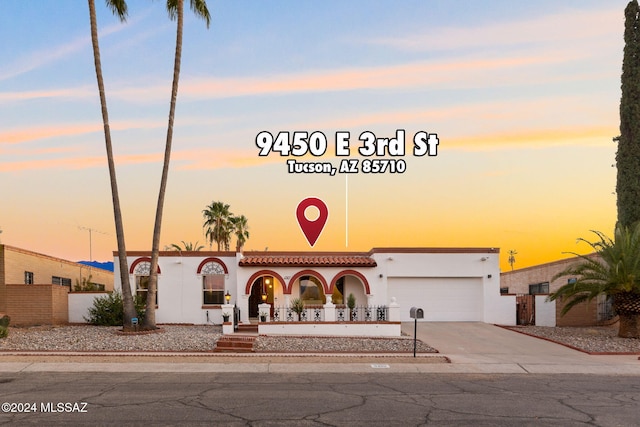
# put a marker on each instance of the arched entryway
(264, 287)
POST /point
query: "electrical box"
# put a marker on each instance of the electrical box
(416, 313)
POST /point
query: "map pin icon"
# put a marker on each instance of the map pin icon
(312, 229)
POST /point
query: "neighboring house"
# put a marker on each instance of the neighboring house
(34, 287)
(449, 284)
(538, 280)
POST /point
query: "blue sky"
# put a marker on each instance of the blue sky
(523, 95)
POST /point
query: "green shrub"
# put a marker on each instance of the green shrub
(4, 331)
(4, 321)
(351, 301)
(109, 310)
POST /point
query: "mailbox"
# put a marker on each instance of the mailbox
(416, 313)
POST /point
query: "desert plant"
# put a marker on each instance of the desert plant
(109, 310)
(351, 301)
(297, 305)
(4, 321)
(615, 273)
(4, 331)
(225, 316)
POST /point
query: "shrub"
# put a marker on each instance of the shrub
(4, 331)
(297, 305)
(351, 301)
(109, 310)
(4, 321)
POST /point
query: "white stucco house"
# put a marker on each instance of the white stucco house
(449, 284)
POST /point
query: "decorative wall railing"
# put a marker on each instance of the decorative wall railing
(342, 314)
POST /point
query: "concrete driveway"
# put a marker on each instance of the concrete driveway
(477, 347)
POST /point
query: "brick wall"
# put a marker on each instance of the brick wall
(518, 282)
(37, 304)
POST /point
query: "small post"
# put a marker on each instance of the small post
(415, 335)
(415, 313)
(134, 323)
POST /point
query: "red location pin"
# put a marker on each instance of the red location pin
(312, 229)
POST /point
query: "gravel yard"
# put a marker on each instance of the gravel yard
(595, 339)
(203, 338)
(188, 338)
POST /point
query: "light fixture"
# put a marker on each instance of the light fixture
(264, 298)
(227, 297)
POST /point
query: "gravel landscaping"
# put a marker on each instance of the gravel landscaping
(174, 338)
(188, 338)
(595, 339)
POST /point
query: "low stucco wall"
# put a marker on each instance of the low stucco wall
(545, 311)
(357, 329)
(79, 304)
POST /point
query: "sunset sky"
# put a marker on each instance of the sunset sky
(523, 96)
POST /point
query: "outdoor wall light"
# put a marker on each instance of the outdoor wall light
(264, 298)
(227, 297)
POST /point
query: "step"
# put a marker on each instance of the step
(235, 343)
(248, 327)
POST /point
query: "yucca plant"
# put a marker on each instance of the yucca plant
(614, 272)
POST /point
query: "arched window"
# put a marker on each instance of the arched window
(212, 283)
(142, 272)
(311, 291)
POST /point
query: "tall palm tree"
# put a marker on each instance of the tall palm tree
(614, 272)
(119, 8)
(175, 8)
(241, 230)
(217, 224)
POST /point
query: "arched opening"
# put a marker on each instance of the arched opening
(264, 289)
(349, 282)
(310, 290)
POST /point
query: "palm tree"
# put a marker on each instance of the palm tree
(614, 272)
(187, 246)
(512, 257)
(119, 8)
(175, 8)
(217, 224)
(241, 230)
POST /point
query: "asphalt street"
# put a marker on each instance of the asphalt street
(310, 399)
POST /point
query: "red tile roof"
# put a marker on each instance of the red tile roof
(317, 260)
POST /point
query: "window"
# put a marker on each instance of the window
(142, 272)
(28, 278)
(212, 283)
(61, 281)
(311, 291)
(539, 288)
(213, 288)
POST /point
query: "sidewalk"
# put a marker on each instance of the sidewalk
(471, 348)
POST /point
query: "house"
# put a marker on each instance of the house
(449, 284)
(34, 287)
(539, 280)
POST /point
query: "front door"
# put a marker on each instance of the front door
(255, 298)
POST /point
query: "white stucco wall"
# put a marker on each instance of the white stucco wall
(545, 311)
(79, 304)
(180, 294)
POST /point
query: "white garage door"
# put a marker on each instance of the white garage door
(442, 299)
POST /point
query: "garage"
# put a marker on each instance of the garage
(456, 299)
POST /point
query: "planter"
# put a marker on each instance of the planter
(263, 318)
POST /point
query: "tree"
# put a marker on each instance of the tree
(175, 8)
(628, 155)
(241, 230)
(118, 8)
(217, 224)
(614, 272)
(512, 257)
(187, 246)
